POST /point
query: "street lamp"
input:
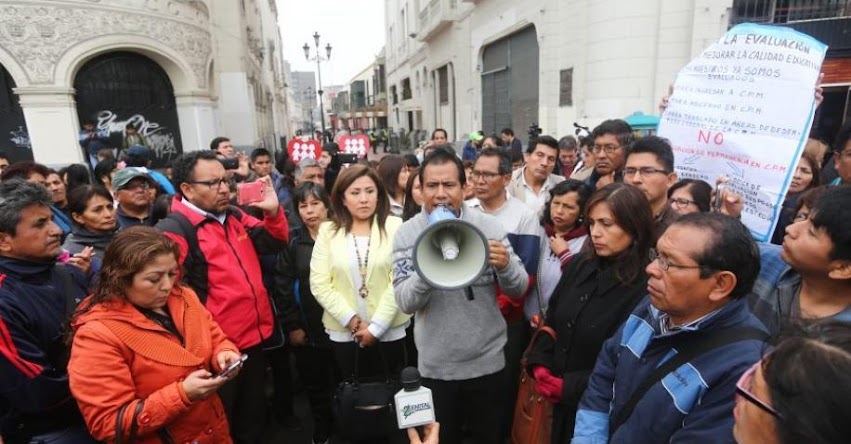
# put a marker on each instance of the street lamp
(318, 59)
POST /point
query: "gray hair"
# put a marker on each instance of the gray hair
(304, 164)
(567, 142)
(15, 196)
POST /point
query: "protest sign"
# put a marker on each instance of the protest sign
(358, 144)
(743, 108)
(304, 147)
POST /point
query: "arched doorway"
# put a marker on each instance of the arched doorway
(15, 140)
(118, 88)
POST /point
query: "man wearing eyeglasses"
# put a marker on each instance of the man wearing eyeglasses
(697, 318)
(134, 197)
(219, 248)
(611, 140)
(650, 168)
(490, 176)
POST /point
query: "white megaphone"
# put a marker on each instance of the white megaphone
(451, 253)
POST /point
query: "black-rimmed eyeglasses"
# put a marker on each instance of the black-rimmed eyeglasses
(211, 184)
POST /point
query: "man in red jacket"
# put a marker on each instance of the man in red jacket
(219, 247)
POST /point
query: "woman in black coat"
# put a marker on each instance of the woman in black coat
(596, 293)
(301, 314)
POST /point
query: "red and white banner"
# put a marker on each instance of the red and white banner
(299, 148)
(355, 145)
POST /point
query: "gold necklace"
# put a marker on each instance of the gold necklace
(362, 264)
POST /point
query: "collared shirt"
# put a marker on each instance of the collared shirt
(396, 208)
(219, 217)
(535, 201)
(666, 327)
(126, 221)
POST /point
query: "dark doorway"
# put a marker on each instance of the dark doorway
(510, 83)
(15, 140)
(118, 88)
(831, 114)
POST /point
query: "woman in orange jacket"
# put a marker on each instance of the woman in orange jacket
(145, 350)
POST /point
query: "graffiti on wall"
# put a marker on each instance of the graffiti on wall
(161, 139)
(20, 138)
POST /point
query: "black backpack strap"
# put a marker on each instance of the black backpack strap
(195, 265)
(697, 345)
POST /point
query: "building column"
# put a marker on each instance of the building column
(52, 124)
(236, 108)
(197, 121)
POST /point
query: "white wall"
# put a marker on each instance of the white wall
(624, 54)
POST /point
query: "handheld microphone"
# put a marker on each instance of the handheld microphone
(414, 405)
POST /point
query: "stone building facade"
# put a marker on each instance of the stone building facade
(181, 71)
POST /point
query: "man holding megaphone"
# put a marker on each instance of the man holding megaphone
(447, 264)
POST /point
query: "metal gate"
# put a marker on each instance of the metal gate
(118, 88)
(496, 101)
(15, 140)
(510, 83)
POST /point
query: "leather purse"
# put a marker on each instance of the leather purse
(533, 415)
(365, 411)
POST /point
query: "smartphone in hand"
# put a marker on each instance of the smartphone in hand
(247, 193)
(719, 199)
(230, 163)
(230, 369)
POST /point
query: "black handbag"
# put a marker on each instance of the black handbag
(366, 410)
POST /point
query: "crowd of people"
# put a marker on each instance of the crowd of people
(125, 293)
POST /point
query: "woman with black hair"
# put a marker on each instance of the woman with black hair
(350, 277)
(103, 173)
(800, 391)
(596, 293)
(393, 171)
(330, 164)
(413, 195)
(75, 175)
(302, 320)
(565, 235)
(93, 212)
(690, 196)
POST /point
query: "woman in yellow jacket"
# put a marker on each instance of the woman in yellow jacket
(351, 277)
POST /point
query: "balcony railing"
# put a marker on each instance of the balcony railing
(435, 17)
(787, 11)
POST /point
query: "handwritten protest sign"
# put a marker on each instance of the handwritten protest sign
(743, 108)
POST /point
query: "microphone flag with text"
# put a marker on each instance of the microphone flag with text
(450, 253)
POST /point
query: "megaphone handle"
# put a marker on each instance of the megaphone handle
(469, 291)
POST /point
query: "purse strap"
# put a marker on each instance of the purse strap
(698, 344)
(119, 423)
(541, 330)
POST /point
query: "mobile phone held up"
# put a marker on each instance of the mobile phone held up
(251, 192)
(719, 196)
(230, 369)
(230, 163)
(347, 158)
